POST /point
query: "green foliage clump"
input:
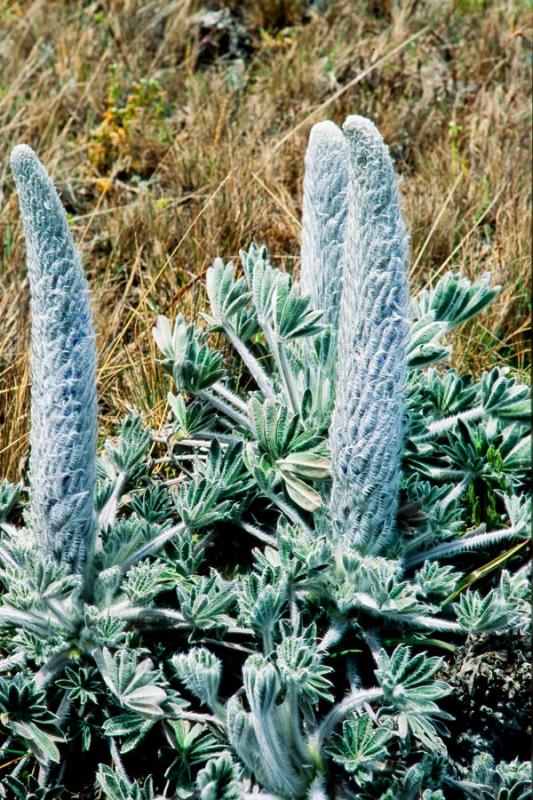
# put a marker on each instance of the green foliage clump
(229, 631)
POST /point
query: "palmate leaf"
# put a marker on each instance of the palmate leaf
(424, 346)
(226, 295)
(477, 612)
(226, 470)
(206, 601)
(293, 316)
(190, 418)
(288, 449)
(408, 681)
(278, 432)
(361, 747)
(9, 496)
(131, 727)
(134, 683)
(152, 504)
(49, 581)
(436, 580)
(199, 369)
(117, 788)
(455, 299)
(449, 393)
(261, 279)
(422, 729)
(201, 503)
(300, 663)
(262, 599)
(24, 714)
(504, 781)
(30, 790)
(172, 341)
(191, 745)
(503, 397)
(201, 672)
(219, 780)
(143, 582)
(82, 684)
(128, 454)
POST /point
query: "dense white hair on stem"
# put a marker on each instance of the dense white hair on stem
(325, 208)
(367, 431)
(63, 395)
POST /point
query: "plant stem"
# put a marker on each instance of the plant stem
(224, 408)
(230, 396)
(259, 534)
(288, 377)
(339, 711)
(443, 425)
(150, 548)
(109, 511)
(254, 367)
(460, 545)
(49, 670)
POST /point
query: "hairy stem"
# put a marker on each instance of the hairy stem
(254, 367)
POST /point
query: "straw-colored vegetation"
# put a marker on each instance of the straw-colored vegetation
(173, 140)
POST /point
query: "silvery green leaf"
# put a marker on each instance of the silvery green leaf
(206, 601)
(198, 369)
(116, 787)
(9, 496)
(226, 295)
(200, 671)
(450, 393)
(455, 299)
(172, 340)
(131, 727)
(23, 713)
(134, 683)
(423, 347)
(191, 418)
(191, 745)
(219, 780)
(435, 579)
(408, 681)
(293, 316)
(152, 504)
(261, 279)
(300, 664)
(129, 453)
(477, 612)
(503, 397)
(301, 493)
(361, 747)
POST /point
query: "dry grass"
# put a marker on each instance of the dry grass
(160, 178)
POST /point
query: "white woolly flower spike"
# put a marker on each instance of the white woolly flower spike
(366, 433)
(63, 362)
(325, 207)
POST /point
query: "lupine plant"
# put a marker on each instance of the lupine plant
(250, 601)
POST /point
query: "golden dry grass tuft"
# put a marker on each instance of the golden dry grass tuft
(173, 141)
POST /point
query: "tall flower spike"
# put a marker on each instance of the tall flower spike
(325, 207)
(63, 362)
(366, 432)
